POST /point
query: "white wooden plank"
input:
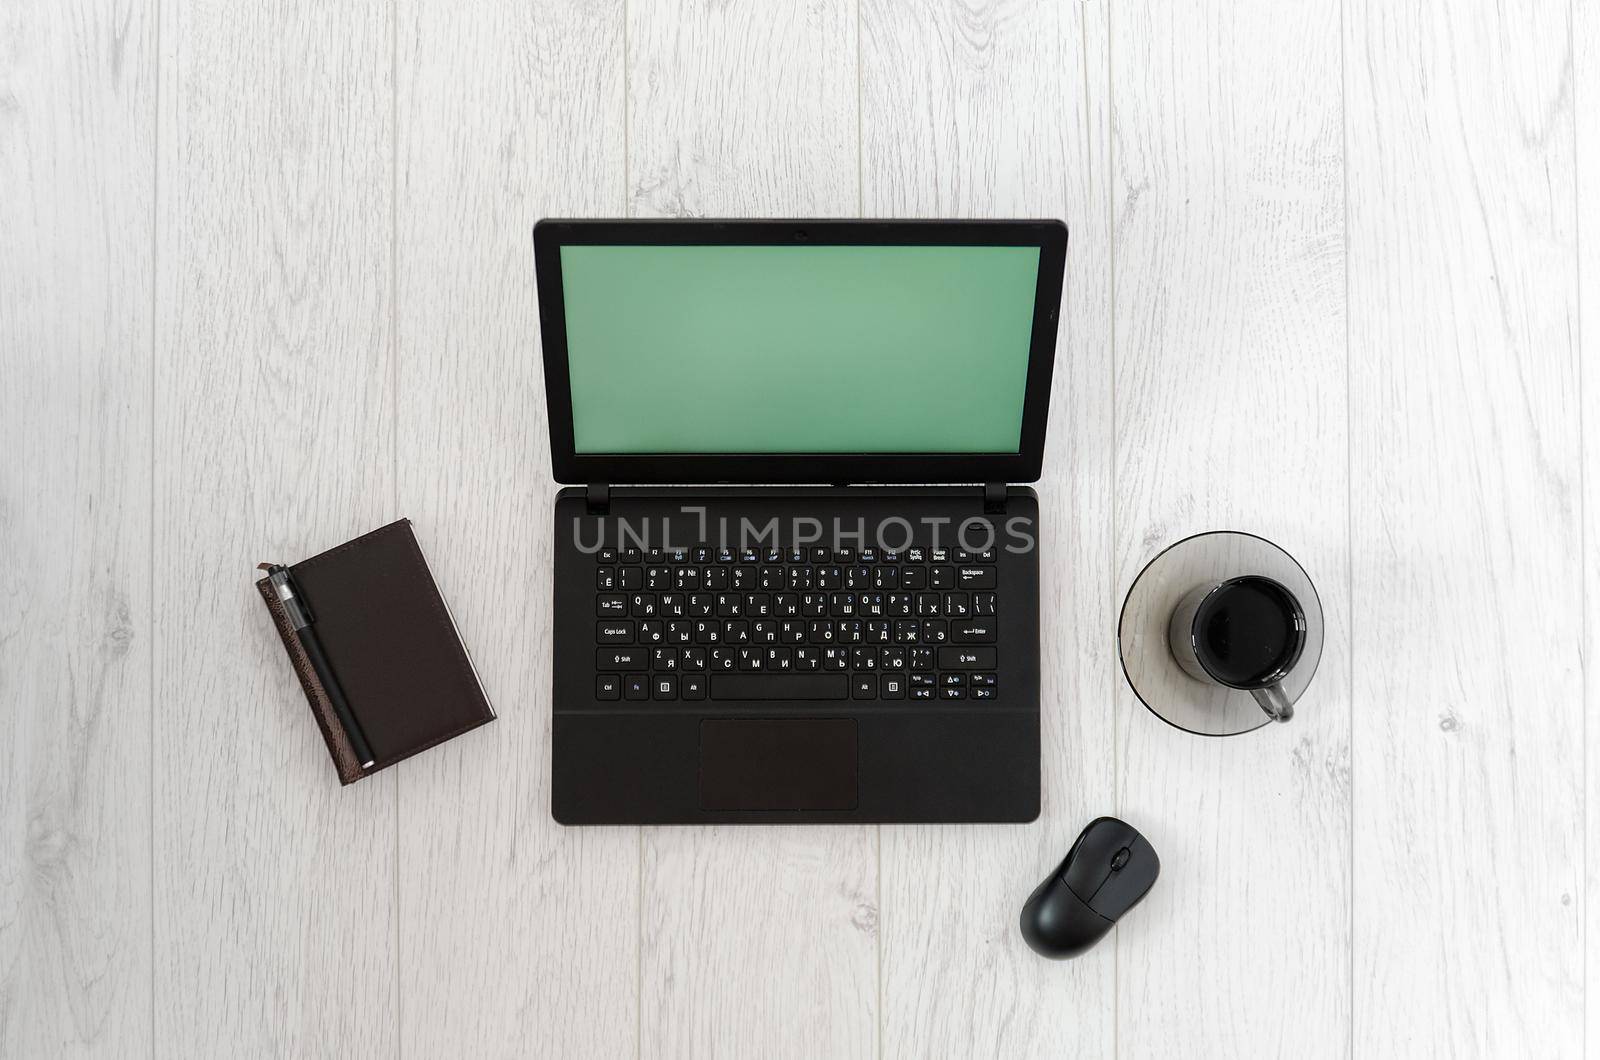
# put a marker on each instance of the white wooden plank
(742, 110)
(275, 888)
(1467, 596)
(517, 937)
(755, 941)
(1230, 414)
(999, 110)
(277, 903)
(77, 111)
(1586, 101)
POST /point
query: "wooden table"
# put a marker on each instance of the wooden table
(266, 282)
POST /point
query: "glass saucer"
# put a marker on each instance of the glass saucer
(1160, 683)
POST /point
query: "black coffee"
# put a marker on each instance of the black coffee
(1249, 632)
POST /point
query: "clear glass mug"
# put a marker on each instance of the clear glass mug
(1244, 633)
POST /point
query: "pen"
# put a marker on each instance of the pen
(300, 619)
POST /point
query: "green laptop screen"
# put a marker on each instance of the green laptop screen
(798, 349)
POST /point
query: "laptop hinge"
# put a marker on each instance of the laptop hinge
(599, 495)
(994, 498)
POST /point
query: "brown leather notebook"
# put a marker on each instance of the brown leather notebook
(391, 645)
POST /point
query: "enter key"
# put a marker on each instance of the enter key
(972, 631)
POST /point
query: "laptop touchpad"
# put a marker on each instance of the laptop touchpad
(778, 764)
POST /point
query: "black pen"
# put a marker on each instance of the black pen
(300, 620)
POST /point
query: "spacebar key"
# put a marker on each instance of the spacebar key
(780, 686)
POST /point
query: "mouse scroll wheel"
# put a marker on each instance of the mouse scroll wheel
(1119, 859)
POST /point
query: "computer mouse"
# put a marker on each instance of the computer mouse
(1107, 872)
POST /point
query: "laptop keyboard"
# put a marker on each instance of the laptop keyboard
(810, 623)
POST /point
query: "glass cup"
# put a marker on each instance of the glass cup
(1245, 633)
(1221, 633)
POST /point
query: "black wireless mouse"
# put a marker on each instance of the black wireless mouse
(1107, 872)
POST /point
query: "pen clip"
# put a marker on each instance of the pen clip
(294, 604)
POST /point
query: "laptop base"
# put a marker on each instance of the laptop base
(824, 758)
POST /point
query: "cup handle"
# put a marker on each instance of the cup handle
(1272, 700)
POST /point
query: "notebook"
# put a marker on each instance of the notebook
(392, 645)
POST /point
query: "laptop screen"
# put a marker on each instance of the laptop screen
(724, 349)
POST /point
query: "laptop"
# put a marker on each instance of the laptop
(796, 578)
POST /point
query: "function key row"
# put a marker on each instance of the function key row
(792, 555)
(659, 579)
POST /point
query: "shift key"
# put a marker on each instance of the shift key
(615, 659)
(964, 657)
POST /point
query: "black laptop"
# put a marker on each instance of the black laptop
(795, 579)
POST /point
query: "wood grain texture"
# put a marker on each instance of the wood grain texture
(77, 111)
(1465, 455)
(754, 941)
(274, 912)
(1230, 414)
(742, 110)
(331, 207)
(999, 110)
(517, 937)
(1586, 101)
